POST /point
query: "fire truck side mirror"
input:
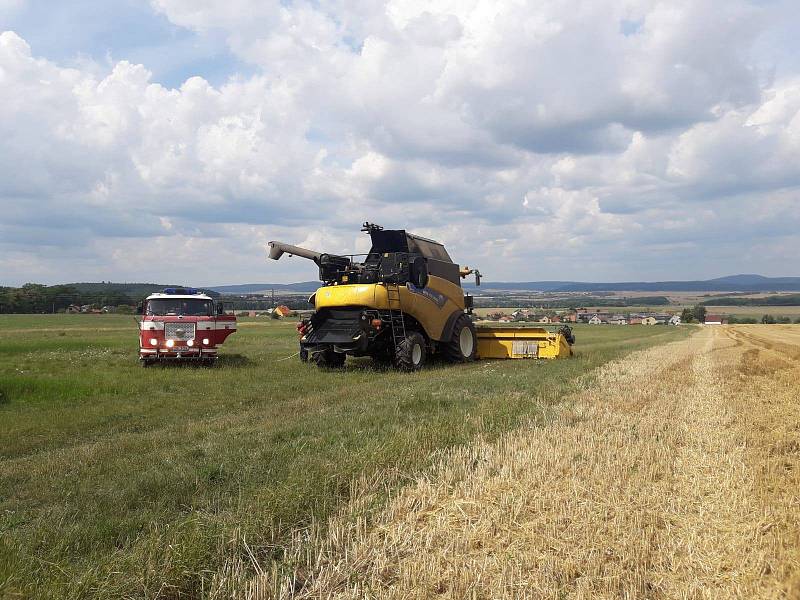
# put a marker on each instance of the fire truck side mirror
(140, 308)
(220, 308)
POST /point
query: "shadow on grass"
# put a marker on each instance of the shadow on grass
(225, 360)
(368, 364)
(363, 364)
(233, 360)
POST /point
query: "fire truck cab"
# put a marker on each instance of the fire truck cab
(182, 324)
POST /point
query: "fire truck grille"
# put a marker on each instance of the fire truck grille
(179, 331)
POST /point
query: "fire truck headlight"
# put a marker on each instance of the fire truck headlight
(205, 341)
(170, 343)
(153, 342)
(190, 343)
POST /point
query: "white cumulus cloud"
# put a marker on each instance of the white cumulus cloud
(571, 140)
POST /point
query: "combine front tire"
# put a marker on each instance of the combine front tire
(411, 353)
(329, 359)
(463, 343)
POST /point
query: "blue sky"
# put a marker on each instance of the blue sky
(106, 32)
(605, 140)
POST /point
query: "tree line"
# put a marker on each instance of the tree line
(697, 314)
(774, 300)
(38, 298)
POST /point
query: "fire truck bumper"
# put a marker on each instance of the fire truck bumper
(189, 354)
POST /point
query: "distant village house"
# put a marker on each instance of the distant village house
(282, 311)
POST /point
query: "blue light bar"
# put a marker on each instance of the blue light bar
(182, 291)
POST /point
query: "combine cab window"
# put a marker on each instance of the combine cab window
(169, 307)
(430, 249)
(397, 240)
(389, 240)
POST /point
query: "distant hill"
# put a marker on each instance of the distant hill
(265, 288)
(731, 283)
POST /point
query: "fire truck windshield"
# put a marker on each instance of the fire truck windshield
(166, 307)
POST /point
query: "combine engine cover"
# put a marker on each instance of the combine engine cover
(182, 324)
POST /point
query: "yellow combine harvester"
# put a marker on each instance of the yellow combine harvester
(402, 303)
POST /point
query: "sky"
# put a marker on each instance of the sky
(168, 141)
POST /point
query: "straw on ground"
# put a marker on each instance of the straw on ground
(674, 474)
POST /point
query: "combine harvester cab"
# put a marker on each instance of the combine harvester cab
(182, 324)
(400, 304)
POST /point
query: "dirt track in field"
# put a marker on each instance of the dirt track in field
(674, 474)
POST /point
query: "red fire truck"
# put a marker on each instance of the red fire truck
(182, 324)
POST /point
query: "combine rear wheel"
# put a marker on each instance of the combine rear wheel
(411, 352)
(463, 343)
(329, 359)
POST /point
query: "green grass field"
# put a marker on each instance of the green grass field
(118, 481)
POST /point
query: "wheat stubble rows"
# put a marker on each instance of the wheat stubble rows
(674, 474)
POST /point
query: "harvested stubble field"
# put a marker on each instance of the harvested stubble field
(674, 473)
(122, 482)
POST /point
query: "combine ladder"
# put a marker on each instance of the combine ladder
(396, 314)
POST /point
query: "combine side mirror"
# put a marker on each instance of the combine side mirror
(468, 303)
(220, 308)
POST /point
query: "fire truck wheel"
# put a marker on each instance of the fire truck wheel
(145, 363)
(329, 359)
(209, 362)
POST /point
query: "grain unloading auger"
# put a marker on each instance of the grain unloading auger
(402, 303)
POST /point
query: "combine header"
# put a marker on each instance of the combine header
(402, 303)
(524, 342)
